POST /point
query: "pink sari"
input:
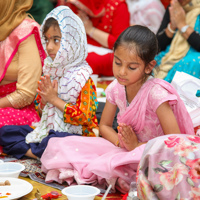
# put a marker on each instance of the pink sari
(12, 116)
(8, 49)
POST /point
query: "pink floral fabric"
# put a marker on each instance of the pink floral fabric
(12, 116)
(166, 168)
(141, 113)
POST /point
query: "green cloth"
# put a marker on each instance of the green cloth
(40, 9)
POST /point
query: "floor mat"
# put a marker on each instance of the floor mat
(33, 171)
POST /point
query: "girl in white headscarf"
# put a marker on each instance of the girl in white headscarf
(68, 95)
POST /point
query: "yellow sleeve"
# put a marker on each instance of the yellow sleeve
(28, 73)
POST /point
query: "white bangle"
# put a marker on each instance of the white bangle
(92, 32)
(169, 28)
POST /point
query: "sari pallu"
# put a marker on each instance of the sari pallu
(12, 116)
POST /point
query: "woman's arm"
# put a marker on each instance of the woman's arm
(178, 19)
(29, 72)
(105, 126)
(5, 103)
(119, 24)
(163, 35)
(167, 119)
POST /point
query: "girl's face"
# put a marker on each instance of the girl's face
(53, 38)
(128, 68)
(184, 2)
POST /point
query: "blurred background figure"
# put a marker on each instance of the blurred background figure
(40, 9)
(147, 13)
(179, 40)
(104, 20)
(165, 3)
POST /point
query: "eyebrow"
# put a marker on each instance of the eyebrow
(54, 36)
(135, 63)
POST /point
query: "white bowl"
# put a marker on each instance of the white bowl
(1, 161)
(11, 169)
(81, 192)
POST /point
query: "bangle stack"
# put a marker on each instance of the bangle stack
(92, 32)
(170, 30)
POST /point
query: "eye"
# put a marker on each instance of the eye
(46, 40)
(56, 40)
(117, 63)
(132, 68)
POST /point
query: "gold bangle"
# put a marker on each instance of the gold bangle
(92, 32)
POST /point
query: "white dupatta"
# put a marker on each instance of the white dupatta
(69, 68)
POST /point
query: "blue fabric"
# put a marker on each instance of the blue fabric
(12, 138)
(190, 64)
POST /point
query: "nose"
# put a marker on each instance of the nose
(122, 71)
(50, 46)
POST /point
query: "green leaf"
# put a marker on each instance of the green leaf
(178, 197)
(158, 188)
(190, 182)
(165, 162)
(159, 170)
(182, 159)
(146, 172)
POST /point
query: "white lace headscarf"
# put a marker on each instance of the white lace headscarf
(69, 68)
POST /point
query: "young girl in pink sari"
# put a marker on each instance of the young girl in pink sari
(148, 108)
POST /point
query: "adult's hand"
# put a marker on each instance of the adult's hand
(177, 15)
(86, 21)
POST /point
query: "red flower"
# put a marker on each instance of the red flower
(172, 141)
(193, 138)
(193, 173)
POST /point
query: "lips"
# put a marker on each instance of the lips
(52, 55)
(122, 79)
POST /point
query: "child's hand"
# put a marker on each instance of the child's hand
(48, 90)
(127, 137)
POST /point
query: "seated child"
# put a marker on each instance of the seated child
(68, 94)
(148, 108)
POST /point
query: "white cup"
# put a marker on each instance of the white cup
(94, 78)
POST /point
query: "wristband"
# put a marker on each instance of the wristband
(184, 29)
(169, 28)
